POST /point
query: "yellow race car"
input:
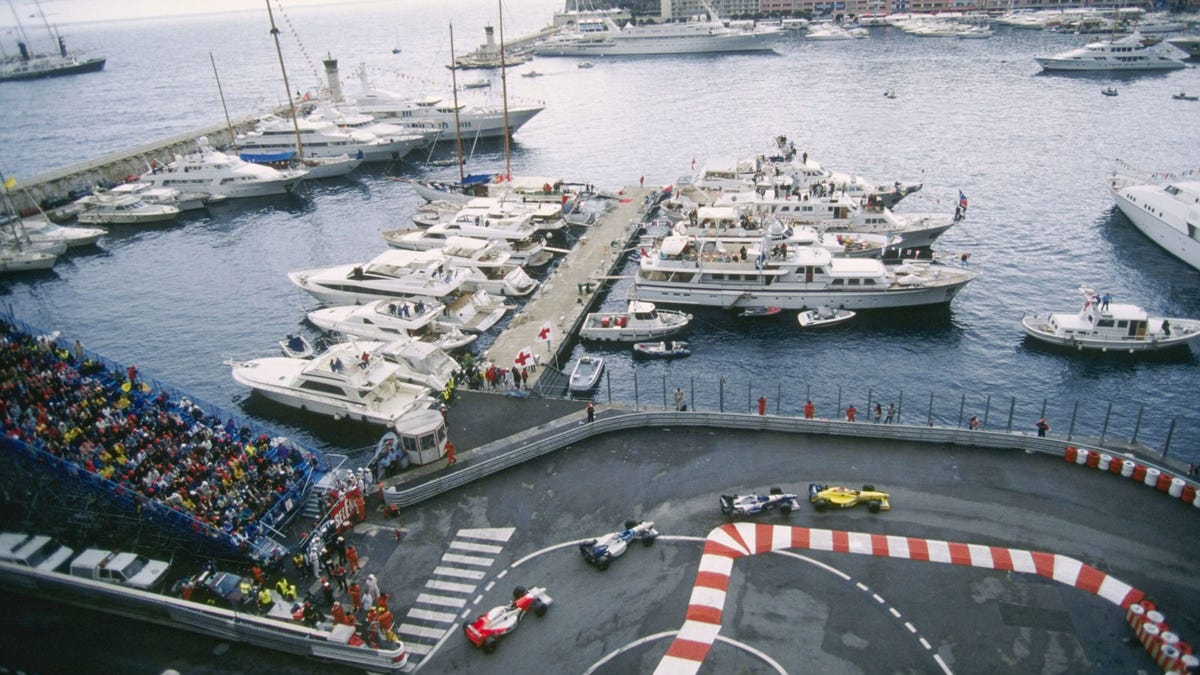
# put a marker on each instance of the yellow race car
(825, 496)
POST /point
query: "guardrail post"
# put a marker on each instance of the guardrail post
(1167, 443)
(987, 409)
(900, 407)
(870, 396)
(778, 396)
(838, 411)
(961, 404)
(749, 398)
(1043, 408)
(1138, 425)
(692, 392)
(1104, 431)
(930, 420)
(608, 384)
(664, 383)
(635, 390)
(1012, 409)
(721, 394)
(1074, 414)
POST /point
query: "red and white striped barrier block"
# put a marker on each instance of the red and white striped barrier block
(736, 540)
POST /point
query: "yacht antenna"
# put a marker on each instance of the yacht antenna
(457, 125)
(232, 136)
(504, 93)
(287, 87)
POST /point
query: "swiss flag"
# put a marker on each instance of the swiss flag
(545, 332)
(524, 358)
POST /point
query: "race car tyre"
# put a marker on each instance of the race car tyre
(873, 505)
(821, 504)
(630, 524)
(489, 645)
(539, 608)
(787, 509)
(776, 491)
(519, 592)
(868, 488)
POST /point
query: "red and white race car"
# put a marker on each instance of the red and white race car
(486, 630)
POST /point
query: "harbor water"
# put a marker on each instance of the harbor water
(1030, 152)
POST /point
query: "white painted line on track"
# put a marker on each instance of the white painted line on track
(427, 615)
(467, 559)
(442, 600)
(862, 587)
(477, 548)
(419, 631)
(940, 662)
(488, 533)
(489, 585)
(925, 643)
(455, 572)
(449, 586)
(911, 628)
(478, 599)
(878, 598)
(895, 612)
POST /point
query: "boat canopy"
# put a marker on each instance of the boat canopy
(262, 158)
(478, 178)
(672, 246)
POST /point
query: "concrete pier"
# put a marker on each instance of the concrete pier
(114, 168)
(559, 301)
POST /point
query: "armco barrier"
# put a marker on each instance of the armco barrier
(531, 444)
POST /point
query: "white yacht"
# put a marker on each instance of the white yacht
(492, 266)
(184, 201)
(599, 35)
(429, 114)
(1168, 214)
(39, 230)
(728, 223)
(709, 272)
(525, 189)
(417, 362)
(392, 274)
(1108, 326)
(126, 209)
(640, 321)
(320, 138)
(1124, 53)
(828, 32)
(1188, 43)
(216, 173)
(15, 258)
(393, 320)
(527, 252)
(336, 385)
(402, 139)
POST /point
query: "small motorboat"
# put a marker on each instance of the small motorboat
(668, 349)
(1109, 91)
(1107, 326)
(586, 64)
(890, 93)
(1182, 96)
(477, 84)
(532, 73)
(759, 312)
(586, 373)
(641, 321)
(823, 316)
(296, 347)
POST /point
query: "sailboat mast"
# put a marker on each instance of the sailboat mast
(20, 27)
(457, 125)
(44, 20)
(287, 87)
(504, 93)
(232, 136)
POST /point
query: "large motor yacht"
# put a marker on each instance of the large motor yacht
(1124, 53)
(395, 273)
(323, 138)
(334, 384)
(1168, 214)
(599, 35)
(393, 320)
(217, 173)
(710, 272)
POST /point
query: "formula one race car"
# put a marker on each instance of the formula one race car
(824, 496)
(600, 552)
(487, 629)
(749, 505)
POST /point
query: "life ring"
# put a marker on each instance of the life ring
(499, 178)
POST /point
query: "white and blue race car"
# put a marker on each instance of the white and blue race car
(600, 552)
(754, 504)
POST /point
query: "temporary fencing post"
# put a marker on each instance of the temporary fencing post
(635, 390)
(664, 383)
(930, 420)
(1012, 409)
(778, 395)
(749, 399)
(1104, 431)
(987, 409)
(1137, 426)
(1043, 408)
(961, 404)
(721, 393)
(1167, 443)
(608, 384)
(692, 396)
(838, 409)
(1074, 414)
(900, 406)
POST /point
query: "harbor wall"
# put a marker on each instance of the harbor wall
(50, 189)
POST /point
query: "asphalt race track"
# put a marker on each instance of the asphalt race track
(797, 610)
